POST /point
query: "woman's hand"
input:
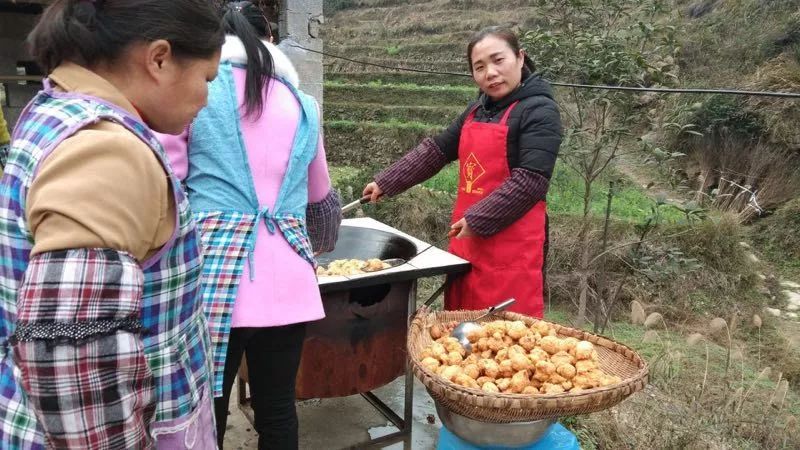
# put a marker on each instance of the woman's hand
(372, 191)
(462, 228)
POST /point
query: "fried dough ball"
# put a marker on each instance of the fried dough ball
(520, 381)
(477, 334)
(472, 371)
(490, 387)
(528, 342)
(568, 344)
(537, 355)
(484, 379)
(520, 362)
(517, 329)
(437, 331)
(449, 373)
(452, 345)
(496, 344)
(506, 368)
(550, 344)
(567, 385)
(490, 367)
(549, 388)
(583, 350)
(585, 365)
(541, 327)
(562, 357)
(482, 344)
(508, 341)
(487, 354)
(530, 390)
(454, 358)
(502, 355)
(503, 383)
(567, 371)
(466, 381)
(431, 363)
(556, 379)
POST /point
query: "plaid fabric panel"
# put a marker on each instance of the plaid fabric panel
(226, 241)
(293, 228)
(94, 391)
(323, 219)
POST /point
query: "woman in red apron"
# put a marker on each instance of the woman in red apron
(506, 144)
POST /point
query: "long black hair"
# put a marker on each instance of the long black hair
(247, 22)
(91, 31)
(511, 39)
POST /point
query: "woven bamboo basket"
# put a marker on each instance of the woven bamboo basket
(615, 359)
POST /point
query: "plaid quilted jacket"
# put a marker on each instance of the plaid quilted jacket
(77, 305)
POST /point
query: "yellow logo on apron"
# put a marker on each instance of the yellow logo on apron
(470, 172)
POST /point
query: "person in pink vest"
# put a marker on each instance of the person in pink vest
(257, 179)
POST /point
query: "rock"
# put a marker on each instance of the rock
(791, 315)
(744, 244)
(790, 284)
(793, 298)
(763, 290)
(646, 99)
(761, 276)
(700, 8)
(773, 311)
(753, 258)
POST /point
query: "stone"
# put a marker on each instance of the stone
(773, 311)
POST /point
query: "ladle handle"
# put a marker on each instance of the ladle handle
(496, 308)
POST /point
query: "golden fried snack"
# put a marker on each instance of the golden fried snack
(484, 379)
(472, 371)
(549, 388)
(490, 387)
(562, 357)
(583, 350)
(520, 381)
(585, 365)
(567, 371)
(489, 367)
(450, 373)
(528, 342)
(550, 344)
(530, 390)
(503, 383)
(510, 358)
(431, 363)
(516, 330)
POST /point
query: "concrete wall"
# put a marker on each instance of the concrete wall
(300, 23)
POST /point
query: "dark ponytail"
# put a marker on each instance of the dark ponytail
(247, 22)
(511, 39)
(92, 31)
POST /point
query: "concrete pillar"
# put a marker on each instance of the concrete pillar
(300, 23)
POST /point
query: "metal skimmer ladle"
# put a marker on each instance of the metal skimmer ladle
(462, 330)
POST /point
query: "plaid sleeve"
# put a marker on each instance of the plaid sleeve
(322, 221)
(77, 343)
(508, 203)
(421, 163)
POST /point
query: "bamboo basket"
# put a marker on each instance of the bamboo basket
(614, 359)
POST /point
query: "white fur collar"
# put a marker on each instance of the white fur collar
(233, 51)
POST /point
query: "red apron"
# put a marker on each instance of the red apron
(508, 264)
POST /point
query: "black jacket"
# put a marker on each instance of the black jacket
(534, 126)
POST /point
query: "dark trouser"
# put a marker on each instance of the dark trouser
(273, 357)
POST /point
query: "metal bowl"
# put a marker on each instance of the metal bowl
(515, 434)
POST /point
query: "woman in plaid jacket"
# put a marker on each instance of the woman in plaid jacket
(103, 340)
